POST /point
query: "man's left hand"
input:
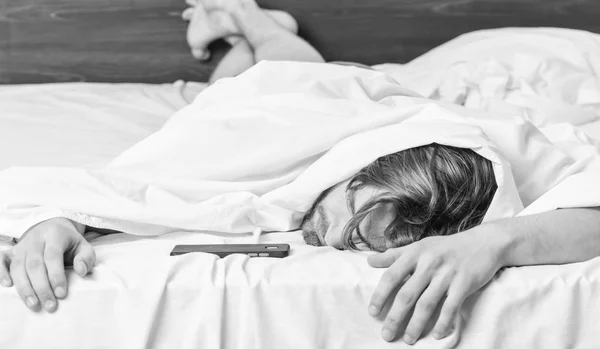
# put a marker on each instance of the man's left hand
(439, 270)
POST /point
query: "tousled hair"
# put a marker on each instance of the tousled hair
(433, 190)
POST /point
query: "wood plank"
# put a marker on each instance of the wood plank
(98, 41)
(379, 31)
(4, 38)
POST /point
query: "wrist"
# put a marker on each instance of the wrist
(499, 241)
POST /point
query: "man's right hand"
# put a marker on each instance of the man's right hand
(36, 265)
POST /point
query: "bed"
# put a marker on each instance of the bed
(78, 98)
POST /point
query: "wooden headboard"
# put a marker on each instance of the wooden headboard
(144, 40)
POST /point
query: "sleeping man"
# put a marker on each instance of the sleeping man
(348, 155)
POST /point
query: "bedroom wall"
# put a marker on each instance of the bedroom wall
(144, 40)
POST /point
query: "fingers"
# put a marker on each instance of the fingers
(385, 259)
(402, 305)
(55, 265)
(187, 14)
(424, 309)
(36, 264)
(85, 257)
(390, 280)
(83, 261)
(18, 272)
(5, 258)
(457, 293)
(38, 276)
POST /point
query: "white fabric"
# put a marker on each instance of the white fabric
(263, 123)
(139, 297)
(82, 124)
(548, 75)
(592, 129)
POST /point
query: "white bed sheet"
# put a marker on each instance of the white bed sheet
(82, 124)
(138, 296)
(592, 129)
(316, 298)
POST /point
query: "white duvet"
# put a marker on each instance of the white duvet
(205, 170)
(256, 151)
(547, 75)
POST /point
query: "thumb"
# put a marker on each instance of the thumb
(384, 259)
(187, 14)
(201, 54)
(84, 257)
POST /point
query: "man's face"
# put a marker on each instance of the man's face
(327, 218)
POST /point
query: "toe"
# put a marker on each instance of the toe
(197, 28)
(200, 54)
(224, 21)
(284, 19)
(206, 27)
(233, 39)
(188, 13)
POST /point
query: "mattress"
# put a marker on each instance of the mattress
(140, 297)
(82, 124)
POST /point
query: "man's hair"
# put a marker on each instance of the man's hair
(433, 189)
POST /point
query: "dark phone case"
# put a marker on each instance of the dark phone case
(252, 250)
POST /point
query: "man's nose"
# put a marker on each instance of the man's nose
(334, 234)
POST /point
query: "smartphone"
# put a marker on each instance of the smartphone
(222, 250)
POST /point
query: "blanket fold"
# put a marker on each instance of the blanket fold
(256, 150)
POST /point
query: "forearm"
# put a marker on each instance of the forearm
(557, 237)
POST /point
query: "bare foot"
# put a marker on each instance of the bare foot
(208, 26)
(225, 5)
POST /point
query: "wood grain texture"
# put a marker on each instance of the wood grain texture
(96, 40)
(144, 40)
